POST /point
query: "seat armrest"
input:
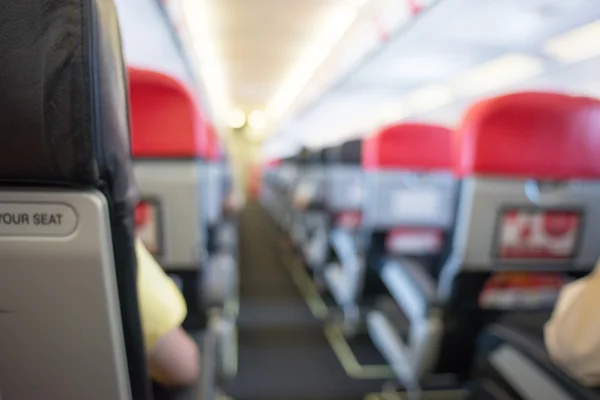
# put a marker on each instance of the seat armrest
(352, 264)
(411, 286)
(413, 291)
(508, 349)
(343, 244)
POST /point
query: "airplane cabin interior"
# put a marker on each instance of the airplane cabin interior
(299, 199)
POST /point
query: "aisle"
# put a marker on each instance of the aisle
(283, 351)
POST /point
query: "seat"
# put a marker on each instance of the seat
(287, 174)
(410, 192)
(529, 203)
(408, 207)
(170, 147)
(512, 363)
(295, 227)
(268, 185)
(307, 203)
(344, 181)
(220, 222)
(277, 189)
(69, 318)
(168, 134)
(342, 188)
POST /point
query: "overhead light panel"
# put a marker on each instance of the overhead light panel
(577, 45)
(329, 32)
(429, 98)
(500, 73)
(199, 18)
(236, 119)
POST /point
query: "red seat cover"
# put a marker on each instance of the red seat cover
(532, 134)
(165, 117)
(409, 146)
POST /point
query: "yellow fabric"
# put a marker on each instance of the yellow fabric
(162, 307)
(573, 333)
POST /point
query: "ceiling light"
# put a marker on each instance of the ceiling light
(333, 26)
(579, 44)
(198, 19)
(429, 98)
(236, 119)
(497, 74)
(257, 120)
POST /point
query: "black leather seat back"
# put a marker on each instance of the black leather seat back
(350, 152)
(68, 282)
(344, 178)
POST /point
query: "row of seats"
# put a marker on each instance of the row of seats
(438, 239)
(93, 156)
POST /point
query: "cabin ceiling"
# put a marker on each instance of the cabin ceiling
(373, 61)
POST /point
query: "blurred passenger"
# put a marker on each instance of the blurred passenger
(173, 358)
(303, 194)
(573, 333)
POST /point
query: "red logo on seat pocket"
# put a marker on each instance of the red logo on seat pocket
(349, 219)
(559, 223)
(538, 234)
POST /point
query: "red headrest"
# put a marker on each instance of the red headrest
(533, 135)
(409, 145)
(165, 118)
